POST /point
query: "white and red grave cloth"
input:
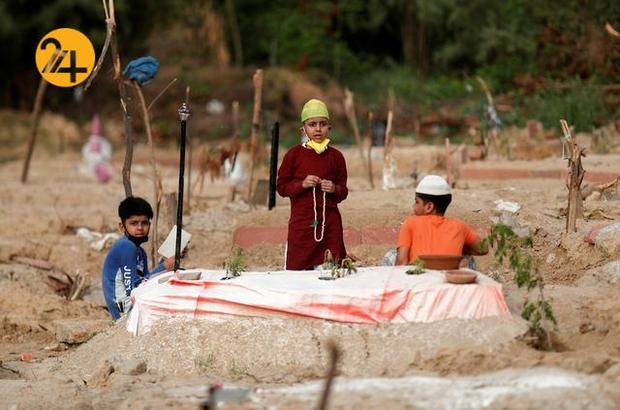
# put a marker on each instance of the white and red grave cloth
(370, 296)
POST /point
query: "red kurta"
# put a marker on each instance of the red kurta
(303, 252)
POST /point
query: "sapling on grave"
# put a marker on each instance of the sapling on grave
(235, 264)
(346, 267)
(539, 313)
(328, 265)
(417, 267)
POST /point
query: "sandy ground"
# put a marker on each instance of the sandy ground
(450, 364)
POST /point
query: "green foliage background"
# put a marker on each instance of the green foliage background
(426, 51)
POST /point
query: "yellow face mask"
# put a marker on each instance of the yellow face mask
(318, 147)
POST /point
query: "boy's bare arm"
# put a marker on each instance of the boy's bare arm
(478, 248)
(402, 258)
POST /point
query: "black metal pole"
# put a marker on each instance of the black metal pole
(273, 166)
(184, 115)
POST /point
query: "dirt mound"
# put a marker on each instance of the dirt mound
(280, 350)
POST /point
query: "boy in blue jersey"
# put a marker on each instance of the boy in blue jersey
(125, 266)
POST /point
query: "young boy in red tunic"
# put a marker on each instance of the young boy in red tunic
(314, 176)
(429, 232)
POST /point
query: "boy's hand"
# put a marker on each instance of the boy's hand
(169, 263)
(310, 181)
(328, 186)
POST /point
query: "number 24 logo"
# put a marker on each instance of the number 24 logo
(53, 64)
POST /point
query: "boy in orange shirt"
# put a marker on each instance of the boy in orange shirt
(428, 232)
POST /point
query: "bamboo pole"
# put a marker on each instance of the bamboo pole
(258, 90)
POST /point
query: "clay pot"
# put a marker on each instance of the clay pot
(460, 276)
(440, 262)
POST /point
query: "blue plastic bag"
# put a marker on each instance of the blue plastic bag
(142, 70)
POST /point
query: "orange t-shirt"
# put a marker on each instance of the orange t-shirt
(434, 235)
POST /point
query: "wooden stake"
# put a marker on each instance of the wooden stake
(369, 154)
(235, 119)
(448, 164)
(349, 109)
(34, 126)
(388, 161)
(575, 178)
(258, 90)
(494, 135)
(157, 186)
(236, 33)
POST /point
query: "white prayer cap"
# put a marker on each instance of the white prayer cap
(433, 185)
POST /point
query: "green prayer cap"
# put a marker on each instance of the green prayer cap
(314, 108)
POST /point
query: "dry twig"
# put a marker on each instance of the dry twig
(70, 287)
(600, 188)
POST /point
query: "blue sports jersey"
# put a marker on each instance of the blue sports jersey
(124, 268)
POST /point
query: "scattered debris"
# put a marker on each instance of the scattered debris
(507, 206)
(97, 240)
(219, 394)
(25, 357)
(71, 287)
(36, 263)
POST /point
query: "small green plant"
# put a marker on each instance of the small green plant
(539, 314)
(417, 267)
(328, 260)
(206, 364)
(236, 264)
(346, 266)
